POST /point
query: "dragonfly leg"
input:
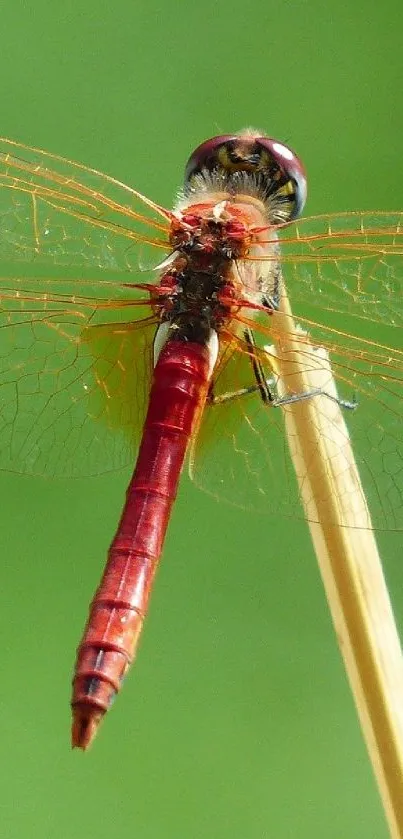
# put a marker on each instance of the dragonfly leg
(264, 386)
(309, 394)
(212, 399)
(277, 402)
(262, 383)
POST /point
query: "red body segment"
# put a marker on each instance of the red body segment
(179, 390)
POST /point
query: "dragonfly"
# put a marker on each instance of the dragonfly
(138, 334)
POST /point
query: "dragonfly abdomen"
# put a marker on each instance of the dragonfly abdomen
(179, 390)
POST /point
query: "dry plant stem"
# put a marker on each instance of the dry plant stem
(348, 558)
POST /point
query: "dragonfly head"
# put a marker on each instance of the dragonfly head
(254, 164)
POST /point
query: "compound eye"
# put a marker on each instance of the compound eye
(289, 171)
(207, 155)
(261, 165)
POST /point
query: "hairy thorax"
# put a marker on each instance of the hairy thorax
(224, 255)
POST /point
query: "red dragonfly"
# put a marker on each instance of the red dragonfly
(153, 339)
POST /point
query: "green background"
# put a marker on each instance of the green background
(236, 720)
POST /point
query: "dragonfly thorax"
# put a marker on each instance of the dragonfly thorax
(206, 282)
(194, 300)
(210, 232)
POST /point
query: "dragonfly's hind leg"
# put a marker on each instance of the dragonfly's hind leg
(263, 386)
(309, 394)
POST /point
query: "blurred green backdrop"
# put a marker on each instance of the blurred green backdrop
(236, 720)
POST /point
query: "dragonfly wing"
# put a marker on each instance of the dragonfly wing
(75, 349)
(251, 464)
(344, 277)
(74, 378)
(56, 212)
(239, 453)
(349, 264)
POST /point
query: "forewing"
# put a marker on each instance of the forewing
(56, 212)
(349, 264)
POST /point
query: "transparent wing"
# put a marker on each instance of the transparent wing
(344, 280)
(75, 348)
(74, 379)
(56, 212)
(349, 264)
